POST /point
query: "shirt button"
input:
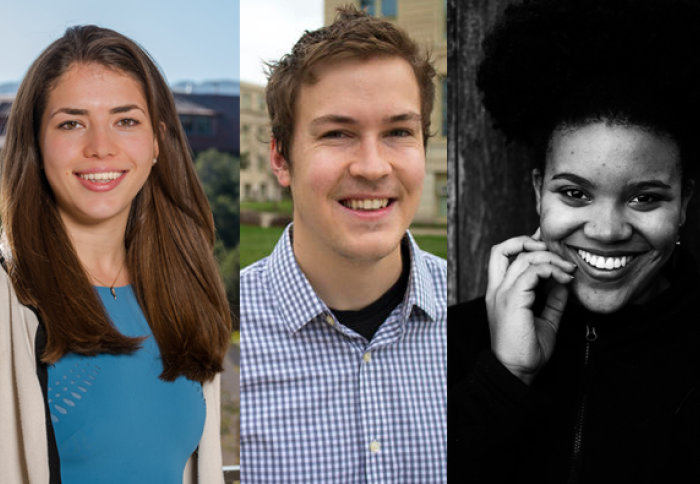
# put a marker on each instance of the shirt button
(374, 446)
(330, 320)
(367, 357)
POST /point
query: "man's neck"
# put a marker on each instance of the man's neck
(345, 283)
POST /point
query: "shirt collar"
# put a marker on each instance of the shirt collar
(421, 288)
(299, 304)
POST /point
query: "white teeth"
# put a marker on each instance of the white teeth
(103, 177)
(366, 204)
(605, 263)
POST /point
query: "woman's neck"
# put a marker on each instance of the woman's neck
(101, 251)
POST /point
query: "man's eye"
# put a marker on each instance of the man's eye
(333, 134)
(400, 132)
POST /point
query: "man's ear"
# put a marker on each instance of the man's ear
(279, 165)
(537, 186)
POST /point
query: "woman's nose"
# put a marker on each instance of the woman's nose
(608, 224)
(99, 143)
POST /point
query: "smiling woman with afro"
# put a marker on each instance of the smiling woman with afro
(581, 364)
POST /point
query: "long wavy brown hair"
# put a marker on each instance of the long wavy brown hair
(169, 234)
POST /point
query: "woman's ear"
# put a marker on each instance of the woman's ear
(686, 195)
(537, 186)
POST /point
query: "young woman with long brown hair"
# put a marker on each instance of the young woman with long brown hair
(113, 318)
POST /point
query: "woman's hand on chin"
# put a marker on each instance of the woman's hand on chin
(518, 268)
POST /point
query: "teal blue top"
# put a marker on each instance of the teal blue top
(115, 420)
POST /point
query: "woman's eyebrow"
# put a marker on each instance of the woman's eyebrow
(571, 177)
(84, 112)
(69, 111)
(641, 185)
(124, 109)
(636, 185)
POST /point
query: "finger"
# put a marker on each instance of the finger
(502, 255)
(536, 235)
(548, 323)
(528, 281)
(526, 259)
(554, 306)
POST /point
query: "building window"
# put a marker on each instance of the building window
(367, 6)
(441, 193)
(197, 125)
(246, 191)
(262, 136)
(389, 8)
(203, 126)
(245, 100)
(262, 163)
(444, 16)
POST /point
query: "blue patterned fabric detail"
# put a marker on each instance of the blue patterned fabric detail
(319, 403)
(115, 420)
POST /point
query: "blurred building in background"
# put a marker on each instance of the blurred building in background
(5, 105)
(258, 184)
(210, 121)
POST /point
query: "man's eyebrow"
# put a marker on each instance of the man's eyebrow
(398, 118)
(84, 112)
(341, 119)
(333, 119)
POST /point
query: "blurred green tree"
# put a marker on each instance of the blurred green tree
(219, 174)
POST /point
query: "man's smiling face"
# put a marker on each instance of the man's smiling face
(357, 158)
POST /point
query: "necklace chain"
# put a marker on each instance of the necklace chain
(111, 286)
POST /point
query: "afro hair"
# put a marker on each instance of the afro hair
(549, 63)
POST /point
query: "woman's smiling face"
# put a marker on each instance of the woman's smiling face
(611, 201)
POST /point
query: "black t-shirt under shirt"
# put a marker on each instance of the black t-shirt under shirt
(366, 321)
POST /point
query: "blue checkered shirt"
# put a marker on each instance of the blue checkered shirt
(319, 403)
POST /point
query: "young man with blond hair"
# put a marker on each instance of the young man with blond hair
(343, 326)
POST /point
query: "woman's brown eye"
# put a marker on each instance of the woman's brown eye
(575, 194)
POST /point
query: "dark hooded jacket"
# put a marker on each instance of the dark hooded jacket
(619, 401)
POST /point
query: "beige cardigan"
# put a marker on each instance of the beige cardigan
(23, 440)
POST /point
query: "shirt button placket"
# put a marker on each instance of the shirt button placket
(372, 404)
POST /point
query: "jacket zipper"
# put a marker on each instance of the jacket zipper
(576, 459)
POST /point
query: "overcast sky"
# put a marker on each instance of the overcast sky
(189, 40)
(269, 29)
